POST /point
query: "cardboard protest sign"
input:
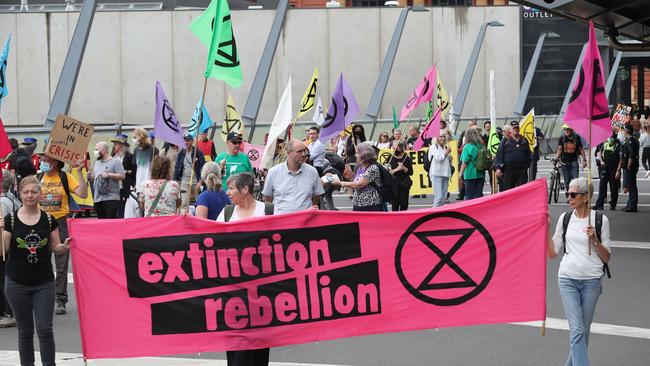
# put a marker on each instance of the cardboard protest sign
(420, 177)
(69, 139)
(185, 285)
(622, 115)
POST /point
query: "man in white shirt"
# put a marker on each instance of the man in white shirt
(293, 185)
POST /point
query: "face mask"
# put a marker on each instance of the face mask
(98, 156)
(45, 167)
(621, 137)
(136, 141)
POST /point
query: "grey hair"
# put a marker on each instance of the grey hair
(242, 180)
(582, 185)
(291, 145)
(7, 180)
(367, 153)
(103, 145)
(472, 136)
(211, 176)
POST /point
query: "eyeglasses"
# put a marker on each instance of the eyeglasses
(574, 194)
(236, 142)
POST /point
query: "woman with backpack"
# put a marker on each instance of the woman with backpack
(585, 244)
(31, 236)
(401, 168)
(367, 180)
(240, 192)
(469, 175)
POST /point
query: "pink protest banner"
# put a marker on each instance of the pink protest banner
(422, 93)
(254, 153)
(588, 102)
(182, 284)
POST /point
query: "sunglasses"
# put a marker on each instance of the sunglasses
(573, 194)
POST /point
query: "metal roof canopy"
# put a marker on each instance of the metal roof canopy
(629, 18)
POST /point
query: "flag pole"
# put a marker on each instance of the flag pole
(2, 237)
(196, 140)
(589, 192)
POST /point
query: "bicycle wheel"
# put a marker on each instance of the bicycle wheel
(551, 185)
(556, 192)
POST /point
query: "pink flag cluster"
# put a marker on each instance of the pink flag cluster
(422, 93)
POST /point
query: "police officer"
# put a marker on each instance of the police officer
(629, 165)
(607, 159)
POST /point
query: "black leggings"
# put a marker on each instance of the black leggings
(33, 304)
(401, 200)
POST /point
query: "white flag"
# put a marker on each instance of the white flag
(281, 121)
(319, 115)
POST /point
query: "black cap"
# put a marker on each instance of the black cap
(628, 127)
(188, 137)
(514, 124)
(233, 136)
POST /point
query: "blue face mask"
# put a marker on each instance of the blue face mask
(45, 167)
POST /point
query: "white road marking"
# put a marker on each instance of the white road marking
(597, 328)
(10, 358)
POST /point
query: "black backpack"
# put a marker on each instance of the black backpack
(388, 184)
(598, 226)
(229, 209)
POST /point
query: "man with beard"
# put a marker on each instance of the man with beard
(108, 174)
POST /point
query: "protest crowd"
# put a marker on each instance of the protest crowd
(151, 173)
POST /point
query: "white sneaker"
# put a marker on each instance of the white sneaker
(7, 322)
(647, 174)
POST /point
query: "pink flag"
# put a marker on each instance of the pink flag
(423, 93)
(588, 101)
(5, 146)
(431, 130)
(181, 284)
(254, 153)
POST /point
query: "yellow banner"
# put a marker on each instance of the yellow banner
(420, 177)
(443, 98)
(85, 203)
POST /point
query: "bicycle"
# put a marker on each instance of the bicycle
(555, 182)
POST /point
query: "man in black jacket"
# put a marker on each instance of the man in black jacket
(122, 153)
(513, 159)
(607, 159)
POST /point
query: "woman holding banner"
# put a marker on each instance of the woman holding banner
(240, 191)
(31, 236)
(584, 240)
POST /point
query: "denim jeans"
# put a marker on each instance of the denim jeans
(440, 188)
(579, 298)
(570, 170)
(33, 304)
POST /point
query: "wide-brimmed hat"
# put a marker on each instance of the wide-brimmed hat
(121, 139)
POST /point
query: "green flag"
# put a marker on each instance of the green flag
(493, 141)
(395, 120)
(429, 111)
(218, 37)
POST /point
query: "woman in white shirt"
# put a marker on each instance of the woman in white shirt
(440, 170)
(240, 191)
(581, 268)
(383, 142)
